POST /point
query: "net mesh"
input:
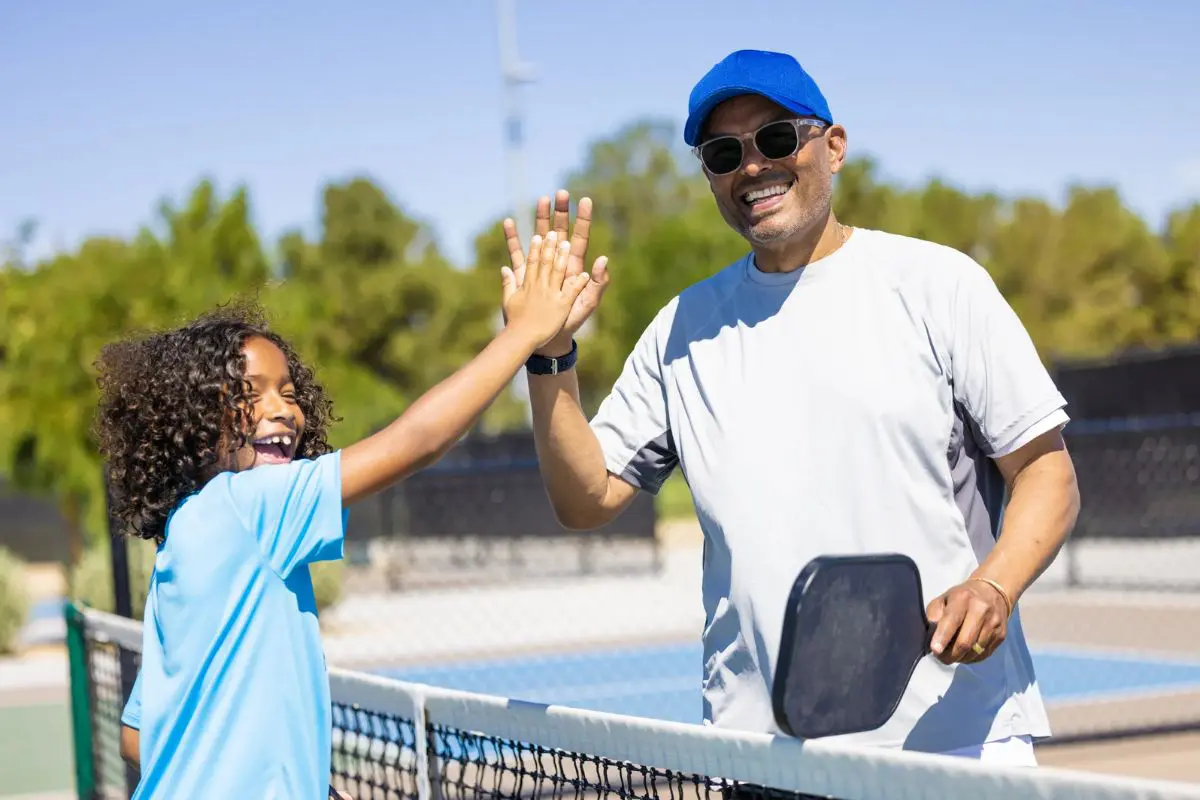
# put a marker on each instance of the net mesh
(394, 740)
(374, 754)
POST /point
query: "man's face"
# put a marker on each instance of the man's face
(773, 201)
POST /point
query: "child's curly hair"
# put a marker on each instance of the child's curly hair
(173, 403)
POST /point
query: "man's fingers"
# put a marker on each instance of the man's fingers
(579, 237)
(541, 224)
(600, 271)
(936, 606)
(513, 240)
(951, 617)
(562, 213)
(968, 632)
(594, 291)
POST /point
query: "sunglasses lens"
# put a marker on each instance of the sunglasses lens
(721, 156)
(777, 140)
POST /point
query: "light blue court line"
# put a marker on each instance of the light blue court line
(664, 682)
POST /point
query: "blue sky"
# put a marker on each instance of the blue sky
(109, 107)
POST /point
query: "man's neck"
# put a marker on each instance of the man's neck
(802, 250)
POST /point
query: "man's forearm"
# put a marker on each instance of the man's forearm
(571, 460)
(1041, 512)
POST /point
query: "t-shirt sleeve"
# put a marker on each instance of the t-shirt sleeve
(294, 510)
(998, 378)
(132, 715)
(632, 423)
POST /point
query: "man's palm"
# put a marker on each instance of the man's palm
(589, 299)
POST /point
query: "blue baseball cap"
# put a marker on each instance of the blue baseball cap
(776, 76)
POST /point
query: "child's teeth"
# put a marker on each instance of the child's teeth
(287, 440)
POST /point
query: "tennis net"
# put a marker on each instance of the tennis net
(394, 740)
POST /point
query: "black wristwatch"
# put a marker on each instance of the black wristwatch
(545, 365)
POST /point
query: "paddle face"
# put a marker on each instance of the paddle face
(853, 632)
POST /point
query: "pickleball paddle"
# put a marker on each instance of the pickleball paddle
(854, 629)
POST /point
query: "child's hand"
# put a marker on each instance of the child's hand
(539, 303)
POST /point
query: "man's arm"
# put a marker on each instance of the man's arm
(1016, 414)
(1042, 509)
(584, 494)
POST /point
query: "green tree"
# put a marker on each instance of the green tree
(60, 313)
(377, 307)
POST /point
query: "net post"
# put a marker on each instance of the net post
(122, 593)
(425, 754)
(81, 717)
(123, 604)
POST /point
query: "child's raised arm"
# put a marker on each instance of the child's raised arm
(535, 309)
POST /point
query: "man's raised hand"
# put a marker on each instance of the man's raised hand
(541, 301)
(589, 299)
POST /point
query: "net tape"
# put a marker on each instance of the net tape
(394, 740)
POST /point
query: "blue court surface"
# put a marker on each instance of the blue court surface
(664, 682)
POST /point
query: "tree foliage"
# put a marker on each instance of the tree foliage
(383, 315)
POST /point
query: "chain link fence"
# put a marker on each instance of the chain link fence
(461, 576)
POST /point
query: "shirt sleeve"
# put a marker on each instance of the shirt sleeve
(294, 510)
(998, 378)
(132, 715)
(632, 423)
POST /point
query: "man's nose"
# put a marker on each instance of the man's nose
(753, 164)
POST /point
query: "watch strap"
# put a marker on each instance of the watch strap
(550, 365)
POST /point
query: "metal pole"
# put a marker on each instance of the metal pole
(123, 604)
(515, 73)
(122, 592)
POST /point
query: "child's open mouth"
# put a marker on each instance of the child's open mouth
(273, 449)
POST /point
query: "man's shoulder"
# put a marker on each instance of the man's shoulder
(918, 257)
(707, 295)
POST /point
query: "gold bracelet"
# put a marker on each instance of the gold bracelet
(1007, 600)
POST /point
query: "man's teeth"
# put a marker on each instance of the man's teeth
(764, 193)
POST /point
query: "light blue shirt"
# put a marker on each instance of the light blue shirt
(232, 699)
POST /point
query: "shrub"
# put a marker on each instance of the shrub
(91, 580)
(327, 582)
(14, 600)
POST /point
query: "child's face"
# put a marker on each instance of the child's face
(278, 422)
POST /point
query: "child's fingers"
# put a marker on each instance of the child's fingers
(558, 271)
(534, 262)
(546, 258)
(574, 286)
(508, 284)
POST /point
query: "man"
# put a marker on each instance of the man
(838, 390)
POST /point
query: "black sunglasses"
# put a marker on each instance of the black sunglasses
(775, 140)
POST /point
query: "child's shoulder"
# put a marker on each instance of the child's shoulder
(268, 484)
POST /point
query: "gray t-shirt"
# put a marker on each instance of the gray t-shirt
(849, 407)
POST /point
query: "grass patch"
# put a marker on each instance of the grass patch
(674, 500)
